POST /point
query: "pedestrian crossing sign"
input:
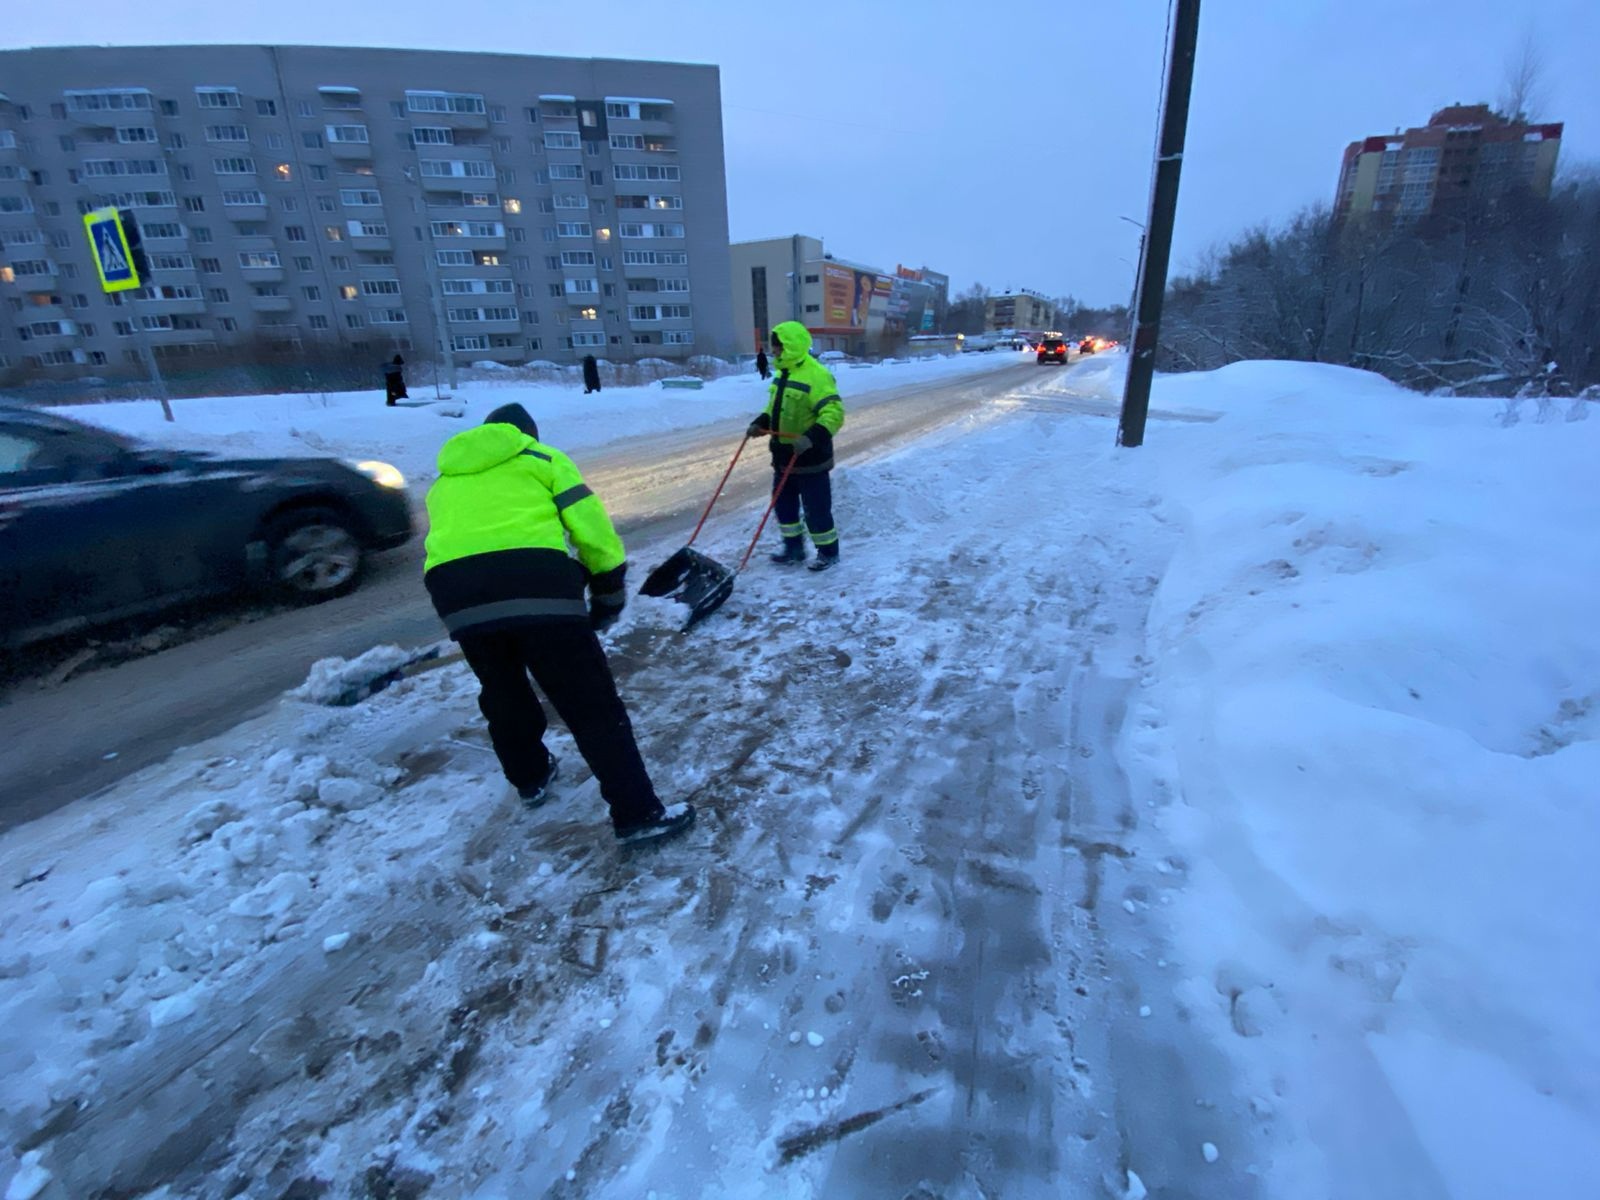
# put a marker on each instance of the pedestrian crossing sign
(113, 257)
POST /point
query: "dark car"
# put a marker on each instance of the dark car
(1089, 345)
(95, 527)
(1053, 349)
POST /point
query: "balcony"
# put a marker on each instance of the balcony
(448, 120)
(172, 308)
(263, 274)
(370, 245)
(36, 283)
(467, 242)
(351, 151)
(273, 304)
(245, 212)
(467, 328)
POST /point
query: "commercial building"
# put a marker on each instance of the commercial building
(1019, 310)
(1465, 153)
(518, 207)
(847, 306)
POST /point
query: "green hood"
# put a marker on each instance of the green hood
(475, 450)
(796, 341)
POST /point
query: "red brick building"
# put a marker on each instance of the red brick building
(1464, 152)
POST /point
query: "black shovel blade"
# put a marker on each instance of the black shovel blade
(691, 578)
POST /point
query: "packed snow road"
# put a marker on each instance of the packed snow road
(73, 740)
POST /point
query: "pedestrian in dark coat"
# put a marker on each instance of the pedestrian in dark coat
(591, 374)
(394, 380)
(762, 368)
(502, 514)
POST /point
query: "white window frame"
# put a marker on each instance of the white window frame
(259, 260)
(216, 97)
(241, 165)
(348, 135)
(446, 102)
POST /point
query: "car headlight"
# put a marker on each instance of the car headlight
(381, 473)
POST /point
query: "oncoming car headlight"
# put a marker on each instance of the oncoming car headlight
(381, 473)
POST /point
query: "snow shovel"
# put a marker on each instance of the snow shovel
(699, 580)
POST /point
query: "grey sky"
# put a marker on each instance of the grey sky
(1002, 147)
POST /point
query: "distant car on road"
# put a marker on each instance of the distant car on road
(1053, 349)
(95, 527)
(1088, 345)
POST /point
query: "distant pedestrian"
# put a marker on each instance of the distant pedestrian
(591, 374)
(762, 368)
(803, 414)
(394, 380)
(500, 517)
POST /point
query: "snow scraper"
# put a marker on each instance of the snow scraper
(699, 580)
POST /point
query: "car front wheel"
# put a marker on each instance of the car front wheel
(315, 555)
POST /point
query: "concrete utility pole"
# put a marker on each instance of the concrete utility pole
(1157, 252)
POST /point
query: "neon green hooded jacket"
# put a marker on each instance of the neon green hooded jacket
(802, 398)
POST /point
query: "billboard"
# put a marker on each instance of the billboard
(847, 296)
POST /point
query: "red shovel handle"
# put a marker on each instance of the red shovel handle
(718, 492)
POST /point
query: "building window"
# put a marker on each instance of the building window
(532, 115)
(555, 291)
(302, 108)
(252, 259)
(497, 114)
(283, 172)
(217, 97)
(333, 233)
(445, 102)
(360, 198)
(211, 266)
(339, 262)
(597, 179)
(304, 262)
(217, 295)
(316, 321)
(678, 337)
(295, 233)
(233, 166)
(813, 308)
(266, 108)
(348, 291)
(354, 320)
(273, 141)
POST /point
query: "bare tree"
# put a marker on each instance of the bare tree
(1522, 93)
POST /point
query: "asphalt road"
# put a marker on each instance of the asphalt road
(77, 739)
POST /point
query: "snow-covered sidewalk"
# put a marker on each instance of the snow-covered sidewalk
(1210, 820)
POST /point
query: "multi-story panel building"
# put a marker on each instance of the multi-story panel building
(1465, 153)
(847, 306)
(1019, 310)
(511, 207)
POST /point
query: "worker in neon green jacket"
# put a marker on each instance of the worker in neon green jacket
(498, 572)
(803, 415)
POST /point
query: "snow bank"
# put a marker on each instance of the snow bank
(358, 425)
(1369, 728)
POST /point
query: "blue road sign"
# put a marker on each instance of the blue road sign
(113, 258)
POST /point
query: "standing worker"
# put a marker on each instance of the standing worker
(803, 414)
(591, 374)
(762, 367)
(501, 580)
(394, 380)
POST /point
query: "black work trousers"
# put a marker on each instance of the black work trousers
(570, 666)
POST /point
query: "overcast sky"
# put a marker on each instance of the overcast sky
(989, 144)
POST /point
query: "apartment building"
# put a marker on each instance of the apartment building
(847, 306)
(1019, 310)
(1465, 152)
(510, 207)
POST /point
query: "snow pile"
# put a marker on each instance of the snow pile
(1370, 730)
(334, 679)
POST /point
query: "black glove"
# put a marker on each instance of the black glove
(604, 611)
(760, 427)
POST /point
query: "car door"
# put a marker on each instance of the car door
(80, 521)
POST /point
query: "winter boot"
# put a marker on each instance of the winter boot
(823, 561)
(665, 824)
(533, 797)
(792, 554)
